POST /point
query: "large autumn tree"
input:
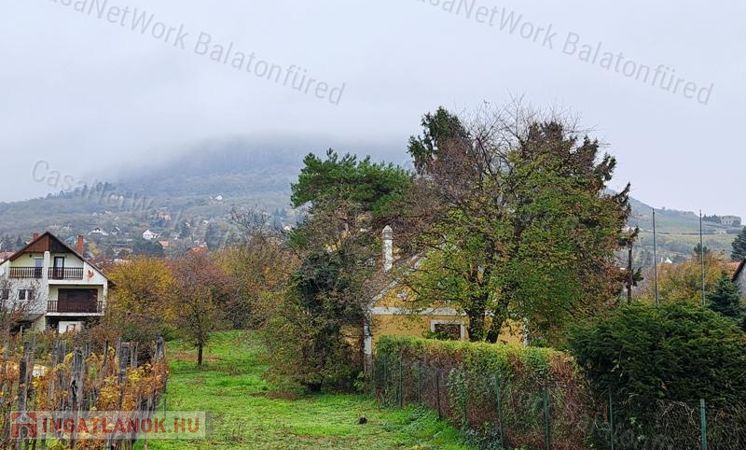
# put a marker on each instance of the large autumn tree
(524, 226)
(139, 306)
(260, 262)
(682, 282)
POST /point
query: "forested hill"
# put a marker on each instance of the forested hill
(201, 187)
(678, 233)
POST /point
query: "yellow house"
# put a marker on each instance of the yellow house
(392, 310)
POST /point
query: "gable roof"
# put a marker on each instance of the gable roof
(739, 270)
(48, 242)
(382, 282)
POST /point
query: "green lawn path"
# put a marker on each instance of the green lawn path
(242, 416)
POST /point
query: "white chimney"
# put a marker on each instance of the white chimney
(388, 248)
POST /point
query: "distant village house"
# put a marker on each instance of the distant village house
(149, 235)
(731, 221)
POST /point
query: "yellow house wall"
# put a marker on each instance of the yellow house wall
(420, 325)
(417, 324)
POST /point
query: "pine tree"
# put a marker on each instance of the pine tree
(726, 298)
(739, 247)
(698, 250)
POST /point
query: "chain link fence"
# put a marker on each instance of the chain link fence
(497, 413)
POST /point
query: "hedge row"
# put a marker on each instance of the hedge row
(504, 396)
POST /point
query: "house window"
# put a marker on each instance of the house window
(26, 294)
(447, 330)
(4, 294)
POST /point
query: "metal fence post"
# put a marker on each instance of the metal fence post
(385, 382)
(419, 382)
(499, 410)
(703, 422)
(437, 392)
(611, 421)
(547, 421)
(401, 380)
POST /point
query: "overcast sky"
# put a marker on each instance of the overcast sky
(86, 94)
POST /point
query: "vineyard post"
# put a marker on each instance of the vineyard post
(76, 389)
(133, 354)
(23, 382)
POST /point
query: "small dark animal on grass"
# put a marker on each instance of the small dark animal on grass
(362, 421)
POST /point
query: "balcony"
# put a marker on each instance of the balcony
(54, 273)
(75, 307)
(26, 272)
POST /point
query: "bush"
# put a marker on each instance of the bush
(306, 354)
(464, 381)
(674, 352)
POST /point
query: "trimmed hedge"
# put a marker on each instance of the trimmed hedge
(497, 393)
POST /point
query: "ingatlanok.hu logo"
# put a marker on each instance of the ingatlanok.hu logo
(107, 425)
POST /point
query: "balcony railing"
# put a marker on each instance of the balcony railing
(26, 272)
(56, 273)
(88, 307)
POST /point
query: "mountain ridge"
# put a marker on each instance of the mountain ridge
(205, 184)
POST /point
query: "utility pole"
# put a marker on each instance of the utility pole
(655, 258)
(702, 258)
(631, 274)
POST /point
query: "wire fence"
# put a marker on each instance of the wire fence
(497, 413)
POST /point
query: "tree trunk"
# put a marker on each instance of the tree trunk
(498, 319)
(476, 315)
(200, 347)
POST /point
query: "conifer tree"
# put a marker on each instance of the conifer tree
(726, 298)
(739, 247)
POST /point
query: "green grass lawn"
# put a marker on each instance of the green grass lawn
(243, 414)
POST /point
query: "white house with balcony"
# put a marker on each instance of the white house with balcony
(52, 285)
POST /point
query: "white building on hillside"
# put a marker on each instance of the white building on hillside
(731, 221)
(52, 285)
(149, 235)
